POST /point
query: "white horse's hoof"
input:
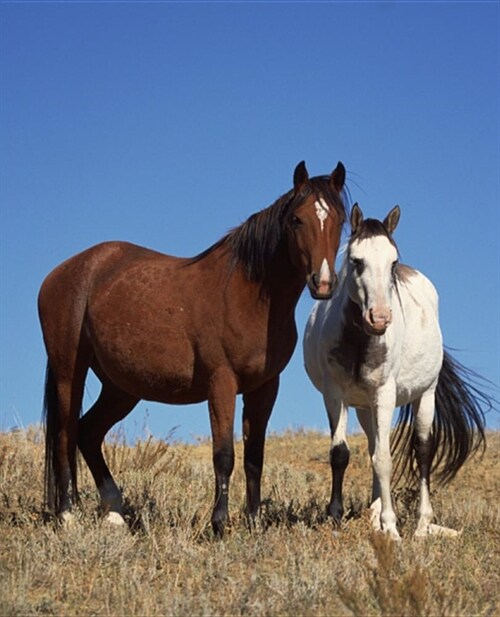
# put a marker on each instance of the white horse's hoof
(115, 519)
(375, 511)
(437, 530)
(393, 534)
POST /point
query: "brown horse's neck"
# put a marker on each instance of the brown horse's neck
(278, 292)
(284, 283)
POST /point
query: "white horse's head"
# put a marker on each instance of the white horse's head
(371, 261)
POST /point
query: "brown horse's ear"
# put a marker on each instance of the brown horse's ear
(300, 176)
(392, 219)
(337, 179)
(356, 219)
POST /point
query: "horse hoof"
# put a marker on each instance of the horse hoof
(218, 528)
(392, 533)
(67, 519)
(437, 530)
(115, 519)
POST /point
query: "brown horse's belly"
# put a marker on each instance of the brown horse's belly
(166, 379)
(154, 362)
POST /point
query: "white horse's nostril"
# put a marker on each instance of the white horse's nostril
(380, 316)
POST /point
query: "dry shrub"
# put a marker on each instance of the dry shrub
(166, 562)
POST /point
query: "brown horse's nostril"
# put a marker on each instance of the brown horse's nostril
(320, 289)
(318, 283)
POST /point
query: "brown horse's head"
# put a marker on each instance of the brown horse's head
(304, 225)
(314, 229)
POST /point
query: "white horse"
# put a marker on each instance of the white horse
(377, 345)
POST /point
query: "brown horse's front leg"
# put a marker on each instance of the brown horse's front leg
(256, 412)
(221, 404)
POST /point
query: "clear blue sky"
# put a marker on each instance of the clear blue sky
(166, 124)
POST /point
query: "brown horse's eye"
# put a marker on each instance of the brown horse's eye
(296, 222)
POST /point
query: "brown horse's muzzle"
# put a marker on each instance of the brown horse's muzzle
(320, 288)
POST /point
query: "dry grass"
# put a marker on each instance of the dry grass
(167, 562)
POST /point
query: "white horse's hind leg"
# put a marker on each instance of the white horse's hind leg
(366, 420)
(339, 450)
(423, 410)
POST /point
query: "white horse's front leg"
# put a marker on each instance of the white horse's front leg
(381, 459)
(339, 450)
(367, 421)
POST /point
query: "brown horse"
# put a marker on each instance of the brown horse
(181, 331)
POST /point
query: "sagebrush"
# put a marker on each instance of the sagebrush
(294, 562)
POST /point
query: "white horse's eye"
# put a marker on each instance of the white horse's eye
(359, 265)
(393, 271)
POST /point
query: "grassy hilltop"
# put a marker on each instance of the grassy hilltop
(294, 563)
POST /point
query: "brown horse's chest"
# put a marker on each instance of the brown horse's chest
(261, 358)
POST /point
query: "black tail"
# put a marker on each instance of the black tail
(52, 423)
(53, 426)
(458, 429)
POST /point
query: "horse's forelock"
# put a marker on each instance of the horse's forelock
(372, 228)
(322, 186)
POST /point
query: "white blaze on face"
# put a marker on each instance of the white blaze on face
(374, 281)
(325, 276)
(322, 210)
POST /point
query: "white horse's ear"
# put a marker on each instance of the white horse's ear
(300, 176)
(392, 219)
(356, 219)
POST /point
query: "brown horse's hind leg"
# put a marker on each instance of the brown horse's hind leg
(66, 447)
(112, 406)
(256, 412)
(63, 396)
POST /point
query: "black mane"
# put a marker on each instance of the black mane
(254, 243)
(370, 228)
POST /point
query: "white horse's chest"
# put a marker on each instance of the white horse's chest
(407, 358)
(360, 364)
